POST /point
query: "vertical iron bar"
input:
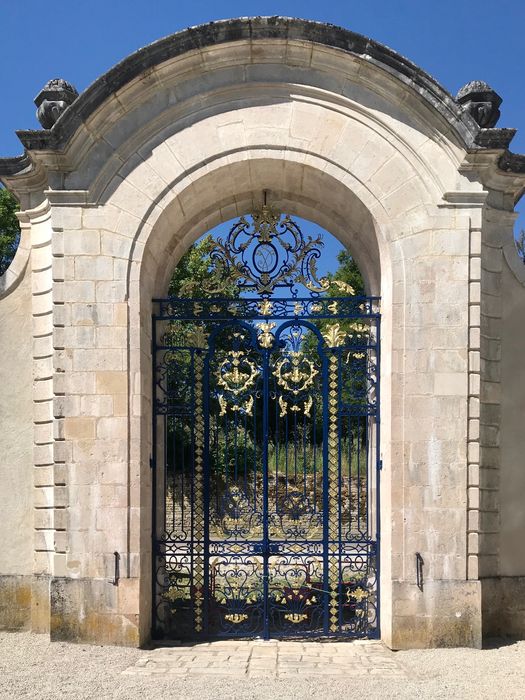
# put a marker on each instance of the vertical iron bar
(326, 594)
(266, 543)
(154, 477)
(378, 477)
(205, 400)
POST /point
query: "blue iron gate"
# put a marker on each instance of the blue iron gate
(266, 436)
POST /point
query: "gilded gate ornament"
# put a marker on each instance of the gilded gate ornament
(333, 490)
(334, 336)
(237, 374)
(295, 373)
(266, 337)
(198, 516)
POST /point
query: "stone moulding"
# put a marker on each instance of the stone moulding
(254, 29)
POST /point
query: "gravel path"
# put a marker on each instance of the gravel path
(31, 667)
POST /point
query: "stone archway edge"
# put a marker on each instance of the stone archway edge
(260, 28)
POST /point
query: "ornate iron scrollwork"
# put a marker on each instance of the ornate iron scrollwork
(266, 253)
(264, 415)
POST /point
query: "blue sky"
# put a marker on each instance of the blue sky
(453, 40)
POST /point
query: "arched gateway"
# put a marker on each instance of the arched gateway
(181, 136)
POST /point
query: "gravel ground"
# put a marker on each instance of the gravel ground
(31, 667)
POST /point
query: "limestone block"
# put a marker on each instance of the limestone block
(111, 337)
(91, 314)
(81, 382)
(473, 522)
(97, 360)
(503, 604)
(96, 405)
(15, 602)
(114, 291)
(67, 218)
(84, 242)
(450, 383)
(113, 427)
(111, 382)
(103, 624)
(76, 291)
(455, 619)
(112, 473)
(473, 454)
(79, 427)
(100, 218)
(475, 292)
(43, 476)
(111, 450)
(93, 267)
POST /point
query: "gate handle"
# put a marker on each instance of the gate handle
(117, 569)
(419, 571)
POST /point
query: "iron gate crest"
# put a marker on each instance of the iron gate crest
(266, 435)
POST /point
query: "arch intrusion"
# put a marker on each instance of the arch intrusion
(179, 137)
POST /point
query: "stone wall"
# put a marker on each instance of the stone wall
(16, 457)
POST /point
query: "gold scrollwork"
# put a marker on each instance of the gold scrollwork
(198, 338)
(236, 618)
(295, 373)
(333, 496)
(236, 374)
(344, 287)
(265, 307)
(334, 336)
(296, 617)
(266, 336)
(198, 526)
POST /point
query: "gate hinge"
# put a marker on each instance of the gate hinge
(151, 462)
(380, 465)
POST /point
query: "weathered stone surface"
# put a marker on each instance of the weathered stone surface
(455, 620)
(503, 606)
(87, 610)
(15, 602)
(481, 102)
(54, 98)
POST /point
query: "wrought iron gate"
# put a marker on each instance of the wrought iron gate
(266, 434)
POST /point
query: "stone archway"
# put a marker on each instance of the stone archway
(185, 134)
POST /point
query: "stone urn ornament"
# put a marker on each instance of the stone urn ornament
(481, 102)
(54, 98)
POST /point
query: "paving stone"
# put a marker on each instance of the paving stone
(273, 659)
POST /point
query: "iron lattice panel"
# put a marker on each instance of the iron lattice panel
(266, 434)
(266, 429)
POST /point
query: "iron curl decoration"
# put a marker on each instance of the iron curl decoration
(268, 252)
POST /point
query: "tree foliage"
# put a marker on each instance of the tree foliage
(349, 273)
(9, 229)
(194, 272)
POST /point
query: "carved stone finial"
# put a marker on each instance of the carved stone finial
(54, 98)
(481, 102)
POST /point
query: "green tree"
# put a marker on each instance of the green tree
(194, 276)
(9, 229)
(348, 273)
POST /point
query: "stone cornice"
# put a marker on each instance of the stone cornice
(256, 29)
